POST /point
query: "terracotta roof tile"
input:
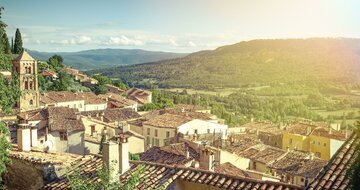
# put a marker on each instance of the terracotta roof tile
(299, 163)
(167, 120)
(333, 175)
(174, 154)
(263, 153)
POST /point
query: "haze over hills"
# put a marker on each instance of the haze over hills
(105, 58)
(255, 62)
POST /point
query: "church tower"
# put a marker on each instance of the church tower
(26, 67)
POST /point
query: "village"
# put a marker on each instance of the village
(184, 147)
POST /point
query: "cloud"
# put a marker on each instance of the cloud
(123, 40)
(173, 42)
(77, 40)
(192, 44)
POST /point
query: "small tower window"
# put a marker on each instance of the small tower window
(31, 102)
(26, 85)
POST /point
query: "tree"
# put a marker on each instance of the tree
(121, 85)
(5, 146)
(18, 45)
(82, 182)
(7, 48)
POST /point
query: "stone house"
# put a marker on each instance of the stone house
(58, 129)
(118, 101)
(139, 95)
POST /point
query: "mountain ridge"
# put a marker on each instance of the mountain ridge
(106, 57)
(252, 62)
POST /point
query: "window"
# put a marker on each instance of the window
(31, 102)
(26, 85)
(147, 140)
(156, 142)
(319, 143)
(302, 180)
(148, 131)
(313, 142)
(208, 131)
(92, 129)
(318, 154)
(74, 105)
(41, 141)
(156, 132)
(324, 144)
(254, 165)
(167, 134)
(31, 85)
(63, 136)
(290, 141)
(80, 105)
(195, 131)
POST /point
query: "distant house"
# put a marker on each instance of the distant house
(192, 108)
(96, 129)
(297, 167)
(322, 141)
(5, 73)
(58, 129)
(113, 116)
(140, 96)
(71, 71)
(62, 99)
(118, 101)
(84, 101)
(114, 89)
(49, 74)
(92, 102)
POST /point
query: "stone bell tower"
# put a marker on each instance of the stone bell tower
(26, 68)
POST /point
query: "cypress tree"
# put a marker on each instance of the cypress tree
(12, 45)
(7, 49)
(18, 42)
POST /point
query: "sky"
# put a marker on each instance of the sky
(174, 25)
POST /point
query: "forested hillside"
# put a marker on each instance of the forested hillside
(105, 58)
(252, 63)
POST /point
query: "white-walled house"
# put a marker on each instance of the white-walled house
(59, 129)
(83, 101)
(201, 127)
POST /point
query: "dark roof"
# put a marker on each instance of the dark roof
(299, 163)
(329, 133)
(174, 154)
(112, 115)
(64, 119)
(333, 175)
(58, 118)
(263, 153)
(161, 176)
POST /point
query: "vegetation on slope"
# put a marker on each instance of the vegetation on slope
(105, 58)
(252, 63)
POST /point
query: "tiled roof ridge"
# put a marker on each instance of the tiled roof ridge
(178, 168)
(348, 145)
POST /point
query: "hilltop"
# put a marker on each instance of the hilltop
(256, 62)
(105, 58)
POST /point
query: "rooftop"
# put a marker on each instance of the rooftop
(161, 176)
(300, 129)
(167, 120)
(263, 153)
(174, 154)
(333, 175)
(55, 97)
(329, 133)
(113, 115)
(299, 163)
(64, 119)
(24, 56)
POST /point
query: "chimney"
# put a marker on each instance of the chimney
(110, 158)
(123, 154)
(308, 130)
(311, 156)
(34, 137)
(187, 153)
(24, 138)
(206, 158)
